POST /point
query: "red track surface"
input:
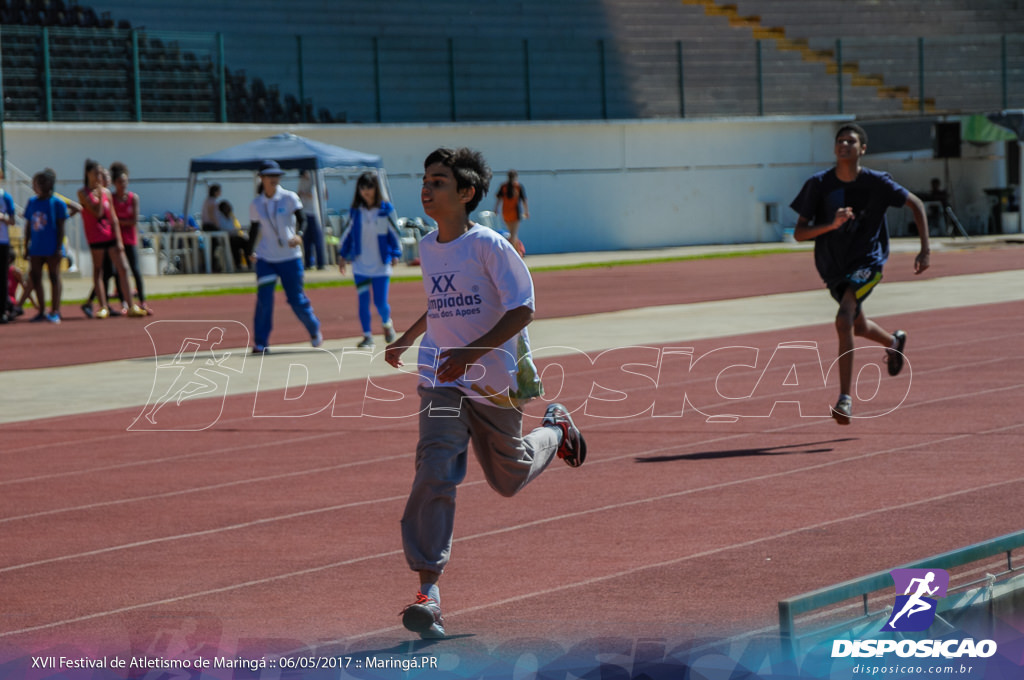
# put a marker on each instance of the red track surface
(559, 294)
(285, 531)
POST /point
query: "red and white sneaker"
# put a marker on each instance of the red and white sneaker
(424, 617)
(573, 449)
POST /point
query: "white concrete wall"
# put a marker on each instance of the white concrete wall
(591, 185)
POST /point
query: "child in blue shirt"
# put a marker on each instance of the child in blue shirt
(842, 210)
(45, 215)
(6, 219)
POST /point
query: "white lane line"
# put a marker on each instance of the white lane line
(298, 473)
(537, 593)
(562, 517)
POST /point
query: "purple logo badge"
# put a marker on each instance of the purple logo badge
(917, 595)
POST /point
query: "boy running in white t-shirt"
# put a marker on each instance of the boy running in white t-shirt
(479, 301)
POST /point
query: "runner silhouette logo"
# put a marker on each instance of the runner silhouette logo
(917, 594)
(195, 363)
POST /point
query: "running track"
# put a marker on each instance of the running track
(264, 534)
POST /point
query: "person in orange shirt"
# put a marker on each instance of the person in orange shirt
(512, 206)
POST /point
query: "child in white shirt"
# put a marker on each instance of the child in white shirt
(371, 244)
(480, 299)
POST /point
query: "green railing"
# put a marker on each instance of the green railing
(67, 74)
(862, 588)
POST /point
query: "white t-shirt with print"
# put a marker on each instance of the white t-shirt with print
(471, 283)
(276, 216)
(372, 226)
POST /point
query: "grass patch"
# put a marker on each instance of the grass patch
(660, 260)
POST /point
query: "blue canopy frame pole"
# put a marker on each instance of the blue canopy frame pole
(292, 153)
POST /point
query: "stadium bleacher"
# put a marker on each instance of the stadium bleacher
(463, 60)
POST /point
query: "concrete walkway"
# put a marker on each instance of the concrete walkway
(140, 380)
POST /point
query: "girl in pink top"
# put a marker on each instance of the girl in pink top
(104, 236)
(126, 207)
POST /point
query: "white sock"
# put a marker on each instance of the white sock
(432, 591)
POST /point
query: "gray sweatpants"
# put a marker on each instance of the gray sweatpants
(509, 461)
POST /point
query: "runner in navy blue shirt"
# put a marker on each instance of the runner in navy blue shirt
(843, 210)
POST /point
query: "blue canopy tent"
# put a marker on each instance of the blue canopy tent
(292, 153)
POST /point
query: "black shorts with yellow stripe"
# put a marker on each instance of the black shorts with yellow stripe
(862, 281)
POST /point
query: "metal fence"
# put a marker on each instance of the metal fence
(80, 74)
(865, 613)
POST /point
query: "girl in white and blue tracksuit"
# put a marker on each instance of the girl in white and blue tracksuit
(371, 244)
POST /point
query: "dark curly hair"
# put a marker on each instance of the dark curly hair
(46, 179)
(469, 168)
